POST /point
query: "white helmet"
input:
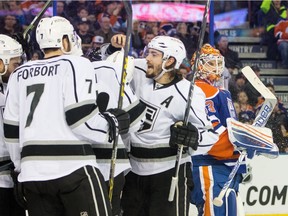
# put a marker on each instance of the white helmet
(50, 32)
(9, 48)
(170, 47)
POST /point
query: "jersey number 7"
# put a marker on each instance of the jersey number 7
(38, 91)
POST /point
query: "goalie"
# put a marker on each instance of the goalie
(212, 166)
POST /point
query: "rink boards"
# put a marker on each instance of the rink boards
(267, 193)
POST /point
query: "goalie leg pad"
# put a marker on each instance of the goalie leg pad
(230, 202)
(253, 139)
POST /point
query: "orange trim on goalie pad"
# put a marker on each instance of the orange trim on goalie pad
(223, 148)
(253, 131)
(207, 185)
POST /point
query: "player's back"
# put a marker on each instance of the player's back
(41, 93)
(42, 98)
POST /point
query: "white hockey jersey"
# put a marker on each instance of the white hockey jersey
(51, 117)
(109, 73)
(165, 105)
(5, 177)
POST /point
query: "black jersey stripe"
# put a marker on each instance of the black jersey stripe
(11, 131)
(115, 73)
(76, 114)
(107, 67)
(136, 111)
(94, 129)
(141, 69)
(74, 79)
(5, 162)
(104, 153)
(56, 150)
(163, 152)
(190, 105)
(127, 96)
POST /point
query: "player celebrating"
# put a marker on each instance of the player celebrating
(10, 55)
(52, 119)
(109, 72)
(154, 145)
(211, 169)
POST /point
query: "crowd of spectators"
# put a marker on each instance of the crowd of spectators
(272, 17)
(97, 21)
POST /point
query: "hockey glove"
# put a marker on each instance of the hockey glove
(94, 54)
(118, 120)
(186, 135)
(18, 190)
(25, 43)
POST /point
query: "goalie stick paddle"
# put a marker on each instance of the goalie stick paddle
(260, 121)
(174, 180)
(128, 8)
(270, 99)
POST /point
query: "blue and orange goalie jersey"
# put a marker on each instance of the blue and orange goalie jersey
(219, 106)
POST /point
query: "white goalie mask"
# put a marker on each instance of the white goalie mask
(210, 65)
(9, 48)
(50, 32)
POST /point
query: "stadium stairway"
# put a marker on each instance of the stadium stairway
(247, 43)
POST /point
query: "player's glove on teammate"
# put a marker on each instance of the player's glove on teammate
(186, 135)
(25, 43)
(94, 54)
(118, 120)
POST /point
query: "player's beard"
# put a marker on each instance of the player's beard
(153, 71)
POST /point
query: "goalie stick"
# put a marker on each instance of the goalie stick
(128, 8)
(174, 180)
(260, 121)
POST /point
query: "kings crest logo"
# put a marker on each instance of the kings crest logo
(84, 213)
(148, 122)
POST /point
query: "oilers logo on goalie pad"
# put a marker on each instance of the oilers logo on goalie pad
(253, 139)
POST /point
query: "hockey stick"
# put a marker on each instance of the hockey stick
(36, 19)
(174, 180)
(270, 99)
(24, 39)
(260, 121)
(218, 201)
(128, 8)
(6, 166)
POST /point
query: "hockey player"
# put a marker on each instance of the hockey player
(211, 168)
(109, 72)
(52, 119)
(10, 55)
(154, 145)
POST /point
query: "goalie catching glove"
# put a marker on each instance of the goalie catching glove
(118, 120)
(186, 135)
